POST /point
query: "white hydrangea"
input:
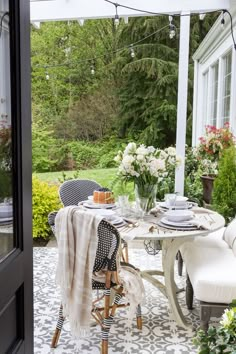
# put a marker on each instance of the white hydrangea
(155, 166)
(163, 154)
(118, 157)
(171, 151)
(151, 149)
(127, 161)
(140, 158)
(130, 149)
(142, 150)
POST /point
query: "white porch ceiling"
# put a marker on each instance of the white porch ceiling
(59, 10)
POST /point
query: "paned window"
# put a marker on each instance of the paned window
(227, 69)
(214, 94)
(205, 95)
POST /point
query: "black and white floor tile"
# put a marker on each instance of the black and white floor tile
(160, 334)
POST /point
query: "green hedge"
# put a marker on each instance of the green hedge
(58, 154)
(45, 200)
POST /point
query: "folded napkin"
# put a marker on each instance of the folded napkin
(200, 224)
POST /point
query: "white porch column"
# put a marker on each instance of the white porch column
(182, 99)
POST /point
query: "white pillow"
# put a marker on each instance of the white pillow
(230, 235)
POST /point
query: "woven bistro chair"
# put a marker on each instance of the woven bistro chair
(107, 258)
(74, 191)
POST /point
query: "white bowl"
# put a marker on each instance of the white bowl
(179, 201)
(6, 210)
(179, 215)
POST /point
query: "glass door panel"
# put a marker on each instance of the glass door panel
(6, 190)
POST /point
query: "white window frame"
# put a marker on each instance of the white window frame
(203, 114)
(224, 119)
(212, 118)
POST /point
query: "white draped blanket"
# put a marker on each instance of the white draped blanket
(76, 233)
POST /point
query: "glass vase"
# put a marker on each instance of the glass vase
(145, 196)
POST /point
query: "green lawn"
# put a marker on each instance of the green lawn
(102, 176)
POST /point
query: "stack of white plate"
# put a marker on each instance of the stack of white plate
(91, 205)
(179, 205)
(178, 219)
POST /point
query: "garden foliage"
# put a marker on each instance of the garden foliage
(224, 191)
(127, 97)
(221, 339)
(5, 163)
(45, 200)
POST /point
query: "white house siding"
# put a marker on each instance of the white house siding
(215, 79)
(5, 108)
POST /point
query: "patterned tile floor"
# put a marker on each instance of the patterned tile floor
(159, 335)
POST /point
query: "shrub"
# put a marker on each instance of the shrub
(224, 192)
(221, 339)
(45, 200)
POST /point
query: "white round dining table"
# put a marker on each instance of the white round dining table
(149, 230)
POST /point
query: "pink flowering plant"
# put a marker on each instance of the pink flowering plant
(211, 146)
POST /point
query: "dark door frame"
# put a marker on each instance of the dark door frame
(16, 271)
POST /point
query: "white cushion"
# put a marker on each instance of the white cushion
(214, 239)
(212, 272)
(230, 233)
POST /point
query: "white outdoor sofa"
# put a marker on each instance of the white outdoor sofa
(211, 271)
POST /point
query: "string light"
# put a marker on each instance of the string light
(231, 26)
(172, 33)
(116, 20)
(132, 52)
(92, 69)
(201, 17)
(177, 14)
(47, 76)
(92, 60)
(172, 28)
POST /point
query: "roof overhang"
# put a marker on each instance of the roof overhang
(216, 35)
(64, 10)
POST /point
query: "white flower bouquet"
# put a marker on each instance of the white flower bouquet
(146, 167)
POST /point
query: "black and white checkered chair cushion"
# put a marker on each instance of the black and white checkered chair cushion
(76, 190)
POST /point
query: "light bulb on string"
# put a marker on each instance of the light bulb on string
(171, 27)
(132, 52)
(117, 19)
(222, 22)
(92, 70)
(47, 76)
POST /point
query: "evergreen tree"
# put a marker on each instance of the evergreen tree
(224, 191)
(149, 82)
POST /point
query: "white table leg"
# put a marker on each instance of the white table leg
(170, 248)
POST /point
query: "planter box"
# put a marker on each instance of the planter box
(207, 182)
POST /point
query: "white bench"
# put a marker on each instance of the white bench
(211, 266)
